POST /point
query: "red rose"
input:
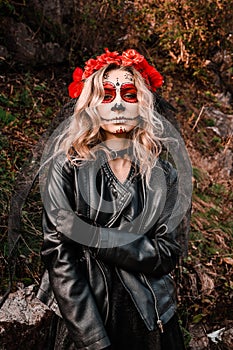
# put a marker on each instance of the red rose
(75, 89)
(109, 57)
(93, 65)
(131, 57)
(89, 68)
(152, 77)
(155, 79)
(78, 73)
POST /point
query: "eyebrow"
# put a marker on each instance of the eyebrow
(109, 88)
(127, 86)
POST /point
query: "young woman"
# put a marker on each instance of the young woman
(110, 241)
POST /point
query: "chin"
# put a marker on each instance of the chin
(121, 130)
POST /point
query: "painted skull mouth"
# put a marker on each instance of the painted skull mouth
(119, 120)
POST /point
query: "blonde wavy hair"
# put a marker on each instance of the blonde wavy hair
(85, 137)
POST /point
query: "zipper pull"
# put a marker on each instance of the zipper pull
(160, 325)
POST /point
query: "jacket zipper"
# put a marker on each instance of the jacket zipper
(106, 287)
(128, 290)
(159, 322)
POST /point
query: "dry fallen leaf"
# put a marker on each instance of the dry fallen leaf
(228, 261)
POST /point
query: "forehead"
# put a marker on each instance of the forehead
(118, 77)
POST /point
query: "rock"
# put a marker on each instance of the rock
(52, 53)
(26, 48)
(223, 122)
(219, 339)
(220, 65)
(223, 338)
(24, 321)
(224, 99)
(21, 41)
(54, 11)
(220, 165)
(216, 336)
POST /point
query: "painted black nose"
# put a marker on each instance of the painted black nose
(118, 107)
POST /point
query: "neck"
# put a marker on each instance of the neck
(117, 144)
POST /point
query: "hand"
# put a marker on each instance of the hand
(65, 220)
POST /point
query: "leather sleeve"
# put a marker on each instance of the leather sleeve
(60, 256)
(155, 253)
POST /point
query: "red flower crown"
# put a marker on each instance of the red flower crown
(128, 58)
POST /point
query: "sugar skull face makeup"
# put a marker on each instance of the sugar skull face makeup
(119, 108)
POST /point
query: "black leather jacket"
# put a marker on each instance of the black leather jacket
(143, 252)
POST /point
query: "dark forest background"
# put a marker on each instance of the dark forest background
(190, 43)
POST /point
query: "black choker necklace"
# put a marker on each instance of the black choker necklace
(121, 153)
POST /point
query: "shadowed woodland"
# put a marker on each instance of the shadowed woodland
(190, 43)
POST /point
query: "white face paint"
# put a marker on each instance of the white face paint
(119, 108)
